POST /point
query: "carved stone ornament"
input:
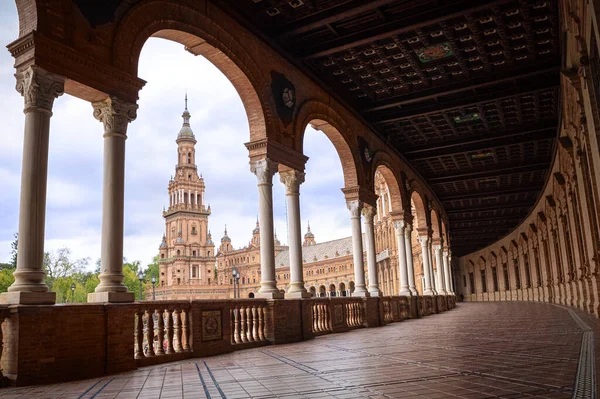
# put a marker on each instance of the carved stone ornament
(399, 225)
(39, 87)
(424, 240)
(407, 229)
(292, 180)
(355, 208)
(264, 169)
(369, 213)
(115, 114)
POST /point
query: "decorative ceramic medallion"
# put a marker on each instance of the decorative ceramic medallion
(288, 97)
(434, 52)
(467, 118)
(211, 325)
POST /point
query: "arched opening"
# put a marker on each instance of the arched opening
(351, 286)
(332, 290)
(313, 292)
(419, 228)
(251, 295)
(322, 291)
(343, 290)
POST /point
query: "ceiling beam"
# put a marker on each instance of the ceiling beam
(498, 134)
(460, 87)
(424, 21)
(485, 144)
(481, 194)
(532, 87)
(497, 207)
(501, 171)
(336, 17)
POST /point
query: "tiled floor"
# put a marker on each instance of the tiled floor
(478, 350)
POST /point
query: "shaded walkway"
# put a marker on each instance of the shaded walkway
(478, 350)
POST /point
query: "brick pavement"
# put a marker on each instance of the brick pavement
(478, 350)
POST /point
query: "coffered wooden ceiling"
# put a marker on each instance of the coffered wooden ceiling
(466, 90)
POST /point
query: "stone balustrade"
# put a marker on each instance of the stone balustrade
(52, 343)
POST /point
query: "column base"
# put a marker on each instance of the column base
(414, 292)
(111, 297)
(428, 293)
(363, 294)
(298, 294)
(405, 292)
(270, 295)
(28, 298)
(375, 292)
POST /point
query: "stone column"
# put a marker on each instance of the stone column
(264, 169)
(399, 227)
(431, 272)
(115, 115)
(292, 180)
(447, 275)
(426, 266)
(440, 270)
(369, 214)
(39, 88)
(355, 208)
(409, 259)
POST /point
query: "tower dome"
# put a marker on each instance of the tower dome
(163, 244)
(309, 238)
(225, 236)
(186, 130)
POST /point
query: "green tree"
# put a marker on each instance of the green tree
(6, 279)
(152, 269)
(130, 277)
(13, 254)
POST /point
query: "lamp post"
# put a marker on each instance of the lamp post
(237, 279)
(234, 274)
(153, 286)
(141, 278)
(72, 292)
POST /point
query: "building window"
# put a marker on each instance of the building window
(527, 274)
(193, 253)
(506, 280)
(178, 252)
(194, 230)
(162, 256)
(517, 275)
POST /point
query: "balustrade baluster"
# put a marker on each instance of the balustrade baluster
(249, 336)
(185, 330)
(169, 328)
(243, 324)
(314, 317)
(261, 322)
(254, 324)
(160, 327)
(320, 313)
(236, 325)
(138, 335)
(149, 333)
(177, 330)
(328, 317)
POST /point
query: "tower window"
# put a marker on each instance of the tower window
(189, 157)
(190, 177)
(194, 231)
(193, 252)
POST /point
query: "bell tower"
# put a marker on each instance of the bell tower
(187, 251)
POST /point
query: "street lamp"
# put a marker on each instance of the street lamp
(141, 278)
(237, 279)
(72, 292)
(153, 285)
(234, 274)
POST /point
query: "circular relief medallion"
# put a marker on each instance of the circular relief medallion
(289, 97)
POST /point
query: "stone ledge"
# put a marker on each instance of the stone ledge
(28, 298)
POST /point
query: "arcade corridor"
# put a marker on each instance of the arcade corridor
(478, 350)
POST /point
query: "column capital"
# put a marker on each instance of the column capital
(400, 226)
(369, 213)
(292, 180)
(264, 169)
(424, 240)
(437, 247)
(39, 88)
(355, 207)
(115, 114)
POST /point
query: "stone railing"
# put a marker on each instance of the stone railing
(249, 322)
(52, 343)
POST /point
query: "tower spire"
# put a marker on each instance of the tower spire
(186, 100)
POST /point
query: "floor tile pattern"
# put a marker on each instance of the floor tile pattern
(478, 350)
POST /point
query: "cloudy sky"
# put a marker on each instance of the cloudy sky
(73, 217)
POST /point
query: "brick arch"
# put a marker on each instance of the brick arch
(382, 164)
(436, 233)
(421, 210)
(201, 35)
(327, 120)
